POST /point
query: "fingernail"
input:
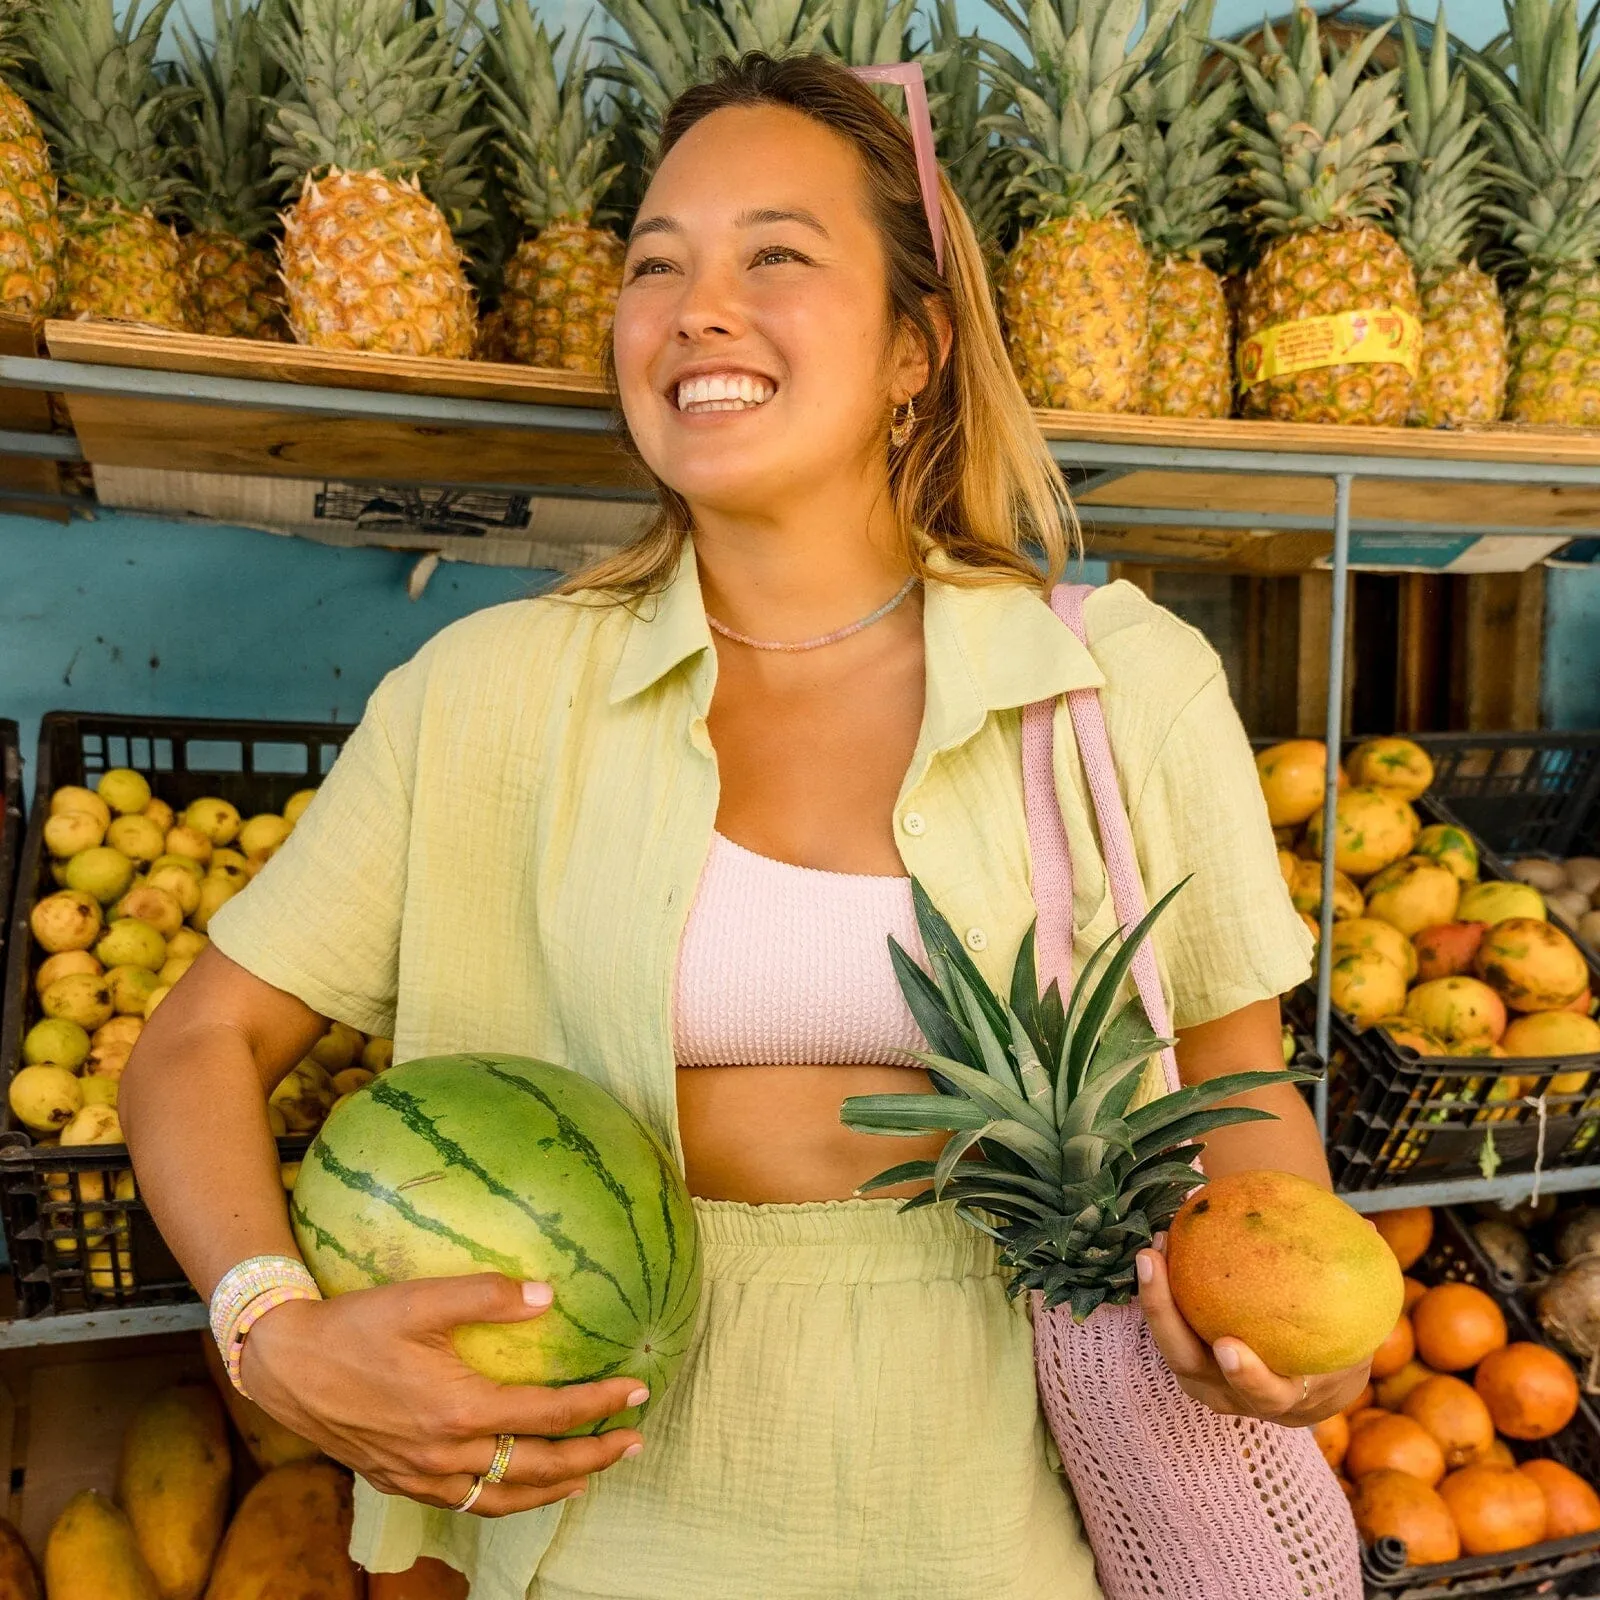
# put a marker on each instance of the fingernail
(537, 1294)
(1160, 1242)
(1227, 1358)
(639, 1396)
(1143, 1268)
(632, 1450)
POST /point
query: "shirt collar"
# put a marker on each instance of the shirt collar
(990, 647)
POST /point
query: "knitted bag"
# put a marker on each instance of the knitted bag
(1179, 1503)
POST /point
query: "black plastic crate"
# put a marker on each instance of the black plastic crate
(1538, 1569)
(80, 1239)
(12, 822)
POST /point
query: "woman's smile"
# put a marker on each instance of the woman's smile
(720, 391)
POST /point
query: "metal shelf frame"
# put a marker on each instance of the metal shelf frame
(1088, 464)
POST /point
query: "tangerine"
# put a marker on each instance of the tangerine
(1414, 1292)
(1359, 1419)
(1408, 1232)
(1361, 1402)
(1394, 1505)
(1571, 1505)
(1494, 1509)
(1454, 1413)
(1394, 1441)
(1393, 1390)
(1530, 1391)
(1457, 1326)
(1497, 1455)
(1333, 1438)
(1395, 1351)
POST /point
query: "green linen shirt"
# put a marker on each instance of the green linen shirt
(505, 853)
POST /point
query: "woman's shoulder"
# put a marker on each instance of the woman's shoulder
(537, 627)
(1137, 642)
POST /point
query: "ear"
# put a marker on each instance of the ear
(911, 374)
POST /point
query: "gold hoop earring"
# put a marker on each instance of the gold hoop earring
(900, 427)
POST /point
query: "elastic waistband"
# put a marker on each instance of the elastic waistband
(838, 1241)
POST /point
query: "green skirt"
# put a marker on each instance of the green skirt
(856, 1416)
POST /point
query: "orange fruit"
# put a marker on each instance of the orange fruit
(1414, 1292)
(1395, 1351)
(1407, 1232)
(1530, 1391)
(1397, 1442)
(1454, 1413)
(1571, 1505)
(1395, 1505)
(1362, 1402)
(1333, 1439)
(1494, 1509)
(1456, 1326)
(1497, 1455)
(1393, 1390)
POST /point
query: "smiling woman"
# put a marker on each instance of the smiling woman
(659, 827)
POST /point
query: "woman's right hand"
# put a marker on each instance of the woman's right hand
(373, 1379)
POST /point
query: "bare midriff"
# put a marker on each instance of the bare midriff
(772, 1135)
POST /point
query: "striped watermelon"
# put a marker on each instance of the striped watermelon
(493, 1163)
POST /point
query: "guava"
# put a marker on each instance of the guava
(295, 806)
(132, 943)
(69, 920)
(68, 832)
(124, 790)
(102, 872)
(137, 837)
(55, 1042)
(216, 819)
(44, 1099)
(81, 998)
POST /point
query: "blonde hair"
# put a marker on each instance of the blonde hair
(975, 479)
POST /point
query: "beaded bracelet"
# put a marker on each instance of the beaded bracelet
(245, 1294)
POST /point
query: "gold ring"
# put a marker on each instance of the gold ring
(470, 1498)
(1305, 1388)
(505, 1443)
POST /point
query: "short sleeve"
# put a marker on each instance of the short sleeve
(322, 917)
(1231, 937)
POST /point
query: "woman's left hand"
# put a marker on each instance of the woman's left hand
(1229, 1376)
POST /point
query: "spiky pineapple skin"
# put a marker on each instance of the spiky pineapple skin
(1318, 273)
(1191, 334)
(369, 264)
(30, 227)
(1555, 349)
(1462, 374)
(124, 264)
(233, 287)
(1075, 296)
(560, 297)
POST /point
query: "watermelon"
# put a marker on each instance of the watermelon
(493, 1163)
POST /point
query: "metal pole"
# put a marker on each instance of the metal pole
(1334, 734)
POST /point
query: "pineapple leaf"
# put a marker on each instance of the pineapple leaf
(996, 1062)
(1035, 1077)
(952, 1153)
(1174, 1107)
(1127, 1037)
(929, 1010)
(942, 945)
(1104, 1101)
(998, 1098)
(910, 1113)
(1189, 1128)
(906, 1172)
(1025, 987)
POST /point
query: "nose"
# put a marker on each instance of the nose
(709, 306)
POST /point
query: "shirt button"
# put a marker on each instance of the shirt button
(914, 824)
(977, 939)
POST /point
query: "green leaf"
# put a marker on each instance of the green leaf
(998, 1100)
(909, 1113)
(1127, 1037)
(1192, 1127)
(930, 1010)
(943, 946)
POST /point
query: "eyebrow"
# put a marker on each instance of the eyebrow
(755, 217)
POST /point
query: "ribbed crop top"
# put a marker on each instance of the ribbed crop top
(786, 966)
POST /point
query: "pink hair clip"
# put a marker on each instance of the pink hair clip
(908, 74)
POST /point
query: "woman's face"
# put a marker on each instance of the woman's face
(753, 346)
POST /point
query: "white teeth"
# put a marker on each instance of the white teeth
(747, 389)
(730, 392)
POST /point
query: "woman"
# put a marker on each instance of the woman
(656, 828)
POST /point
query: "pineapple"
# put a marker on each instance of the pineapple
(30, 229)
(559, 292)
(373, 105)
(1180, 152)
(1074, 1182)
(105, 105)
(1544, 131)
(1462, 376)
(232, 280)
(1321, 180)
(1075, 289)
(871, 33)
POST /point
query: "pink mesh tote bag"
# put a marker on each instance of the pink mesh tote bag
(1178, 1502)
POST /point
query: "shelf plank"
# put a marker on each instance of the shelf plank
(1508, 1189)
(23, 1333)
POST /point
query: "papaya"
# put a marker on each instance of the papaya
(290, 1538)
(91, 1554)
(173, 1483)
(19, 1575)
(270, 1443)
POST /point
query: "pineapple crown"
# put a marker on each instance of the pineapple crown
(1179, 149)
(1076, 1180)
(667, 47)
(370, 86)
(1442, 183)
(104, 103)
(552, 152)
(221, 134)
(1067, 105)
(870, 33)
(1543, 130)
(1312, 152)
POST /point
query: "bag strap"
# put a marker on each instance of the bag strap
(1047, 834)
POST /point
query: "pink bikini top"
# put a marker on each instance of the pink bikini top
(787, 966)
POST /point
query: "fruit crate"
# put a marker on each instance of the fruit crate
(64, 1209)
(12, 821)
(1539, 1569)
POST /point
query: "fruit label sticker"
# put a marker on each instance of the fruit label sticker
(1384, 334)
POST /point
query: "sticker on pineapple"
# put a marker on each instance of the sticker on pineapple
(1378, 334)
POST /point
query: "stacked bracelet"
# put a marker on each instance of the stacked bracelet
(247, 1293)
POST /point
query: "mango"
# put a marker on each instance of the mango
(1458, 1010)
(1277, 1261)
(1398, 764)
(290, 1537)
(173, 1482)
(19, 1576)
(1413, 894)
(1448, 949)
(1372, 827)
(91, 1554)
(1367, 933)
(1294, 778)
(1497, 900)
(1552, 1033)
(1406, 1033)
(270, 1443)
(1306, 892)
(1531, 965)
(1366, 987)
(1451, 847)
